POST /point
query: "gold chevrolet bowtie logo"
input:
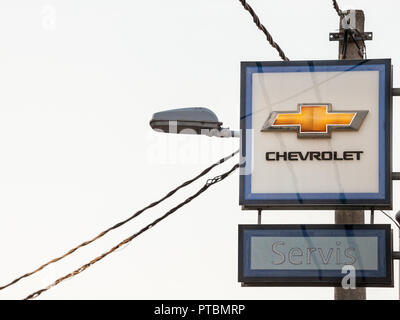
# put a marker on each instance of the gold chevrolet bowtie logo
(314, 120)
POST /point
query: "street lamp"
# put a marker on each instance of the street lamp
(191, 121)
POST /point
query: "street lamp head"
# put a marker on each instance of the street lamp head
(397, 216)
(189, 121)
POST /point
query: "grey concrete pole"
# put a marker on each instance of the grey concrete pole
(351, 216)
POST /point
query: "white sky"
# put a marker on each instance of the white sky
(79, 82)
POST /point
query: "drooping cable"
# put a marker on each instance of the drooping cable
(336, 7)
(260, 26)
(360, 50)
(208, 184)
(364, 50)
(387, 215)
(119, 224)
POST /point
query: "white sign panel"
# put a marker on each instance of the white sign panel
(322, 253)
(316, 133)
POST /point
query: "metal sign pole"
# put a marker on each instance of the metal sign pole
(259, 216)
(349, 50)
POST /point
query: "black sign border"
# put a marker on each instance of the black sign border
(387, 281)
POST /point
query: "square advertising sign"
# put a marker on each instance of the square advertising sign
(316, 135)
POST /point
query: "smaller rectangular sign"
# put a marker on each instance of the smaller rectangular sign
(314, 255)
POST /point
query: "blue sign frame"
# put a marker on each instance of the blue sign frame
(379, 200)
(382, 277)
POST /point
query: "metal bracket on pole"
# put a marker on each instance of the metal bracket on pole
(395, 92)
(395, 175)
(396, 255)
(339, 36)
(259, 216)
(349, 23)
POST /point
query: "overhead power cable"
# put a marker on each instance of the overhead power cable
(208, 184)
(363, 51)
(387, 215)
(119, 224)
(260, 26)
(336, 7)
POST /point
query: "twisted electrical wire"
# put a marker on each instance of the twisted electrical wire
(336, 7)
(208, 184)
(119, 224)
(260, 26)
(364, 50)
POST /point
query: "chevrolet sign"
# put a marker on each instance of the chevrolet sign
(314, 120)
(316, 135)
